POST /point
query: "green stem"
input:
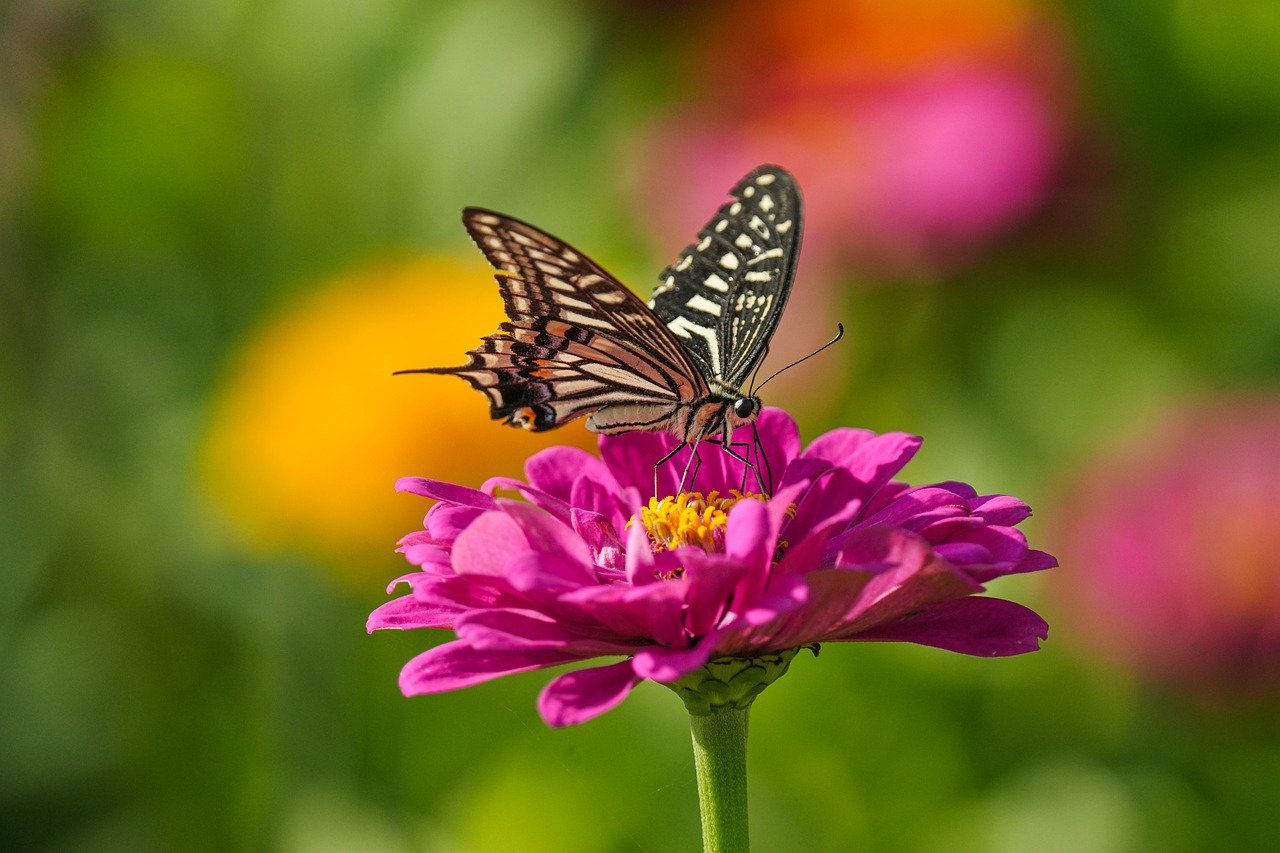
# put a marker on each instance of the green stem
(720, 758)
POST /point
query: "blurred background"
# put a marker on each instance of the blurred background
(1051, 230)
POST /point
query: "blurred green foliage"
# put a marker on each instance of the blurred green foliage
(176, 170)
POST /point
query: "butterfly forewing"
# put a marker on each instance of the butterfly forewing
(578, 340)
(724, 296)
(579, 343)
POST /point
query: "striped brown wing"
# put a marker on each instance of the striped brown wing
(577, 340)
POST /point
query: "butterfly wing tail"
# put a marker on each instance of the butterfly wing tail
(513, 399)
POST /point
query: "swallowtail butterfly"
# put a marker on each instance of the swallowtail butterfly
(580, 343)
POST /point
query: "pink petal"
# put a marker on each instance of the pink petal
(711, 582)
(455, 665)
(537, 497)
(630, 457)
(600, 537)
(413, 579)
(784, 595)
(546, 575)
(751, 538)
(885, 574)
(469, 591)
(717, 470)
(778, 621)
(583, 694)
(1006, 545)
(548, 534)
(430, 557)
(838, 446)
(779, 436)
(1000, 509)
(443, 491)
(908, 575)
(446, 521)
(667, 664)
(878, 460)
(834, 497)
(654, 611)
(920, 507)
(556, 470)
(487, 544)
(640, 562)
(782, 503)
(871, 459)
(1034, 561)
(831, 594)
(964, 490)
(963, 554)
(516, 629)
(803, 471)
(589, 495)
(977, 625)
(409, 612)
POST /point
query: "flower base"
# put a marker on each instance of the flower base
(732, 683)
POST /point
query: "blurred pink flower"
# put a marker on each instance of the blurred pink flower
(586, 569)
(917, 132)
(1175, 566)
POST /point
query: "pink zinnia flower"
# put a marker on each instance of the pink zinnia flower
(1174, 542)
(585, 567)
(903, 177)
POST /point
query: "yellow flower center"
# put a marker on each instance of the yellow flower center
(690, 518)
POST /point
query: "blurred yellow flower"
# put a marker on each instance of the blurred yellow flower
(310, 429)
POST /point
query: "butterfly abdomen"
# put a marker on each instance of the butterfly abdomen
(637, 417)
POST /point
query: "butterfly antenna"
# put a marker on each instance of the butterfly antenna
(777, 373)
(755, 374)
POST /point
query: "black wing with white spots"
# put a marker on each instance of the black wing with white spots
(577, 340)
(724, 297)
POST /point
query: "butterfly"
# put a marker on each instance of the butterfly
(578, 342)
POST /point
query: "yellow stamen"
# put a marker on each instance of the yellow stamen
(690, 518)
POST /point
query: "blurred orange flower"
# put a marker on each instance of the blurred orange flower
(843, 43)
(310, 430)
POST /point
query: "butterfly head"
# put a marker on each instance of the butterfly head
(744, 410)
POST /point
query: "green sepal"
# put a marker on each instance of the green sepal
(732, 683)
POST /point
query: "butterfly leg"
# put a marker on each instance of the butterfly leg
(727, 444)
(663, 460)
(745, 447)
(762, 458)
(694, 463)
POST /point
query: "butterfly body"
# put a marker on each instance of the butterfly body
(579, 343)
(700, 419)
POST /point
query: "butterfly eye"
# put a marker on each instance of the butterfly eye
(745, 407)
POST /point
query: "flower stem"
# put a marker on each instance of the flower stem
(720, 758)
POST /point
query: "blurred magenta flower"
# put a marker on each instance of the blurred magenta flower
(586, 569)
(1176, 572)
(922, 129)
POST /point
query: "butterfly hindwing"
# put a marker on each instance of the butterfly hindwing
(724, 297)
(577, 341)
